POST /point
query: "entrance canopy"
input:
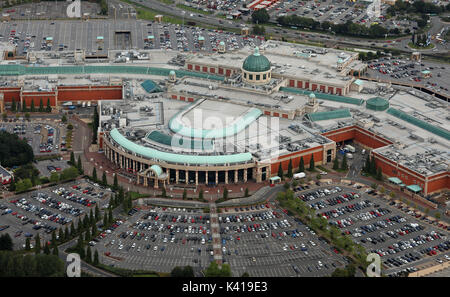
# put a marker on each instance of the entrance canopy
(395, 180)
(275, 179)
(414, 188)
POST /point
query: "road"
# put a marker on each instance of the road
(437, 25)
(84, 266)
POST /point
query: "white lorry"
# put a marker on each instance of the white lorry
(299, 175)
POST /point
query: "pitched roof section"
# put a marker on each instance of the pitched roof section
(150, 86)
(329, 97)
(329, 115)
(14, 70)
(419, 123)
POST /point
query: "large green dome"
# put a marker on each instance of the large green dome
(256, 62)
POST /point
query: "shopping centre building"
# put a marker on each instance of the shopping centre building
(233, 117)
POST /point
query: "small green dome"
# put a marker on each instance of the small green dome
(256, 62)
(172, 72)
(222, 43)
(377, 104)
(312, 95)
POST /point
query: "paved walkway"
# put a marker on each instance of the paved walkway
(217, 246)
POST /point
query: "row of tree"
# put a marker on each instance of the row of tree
(370, 167)
(319, 224)
(15, 107)
(19, 265)
(347, 28)
(301, 167)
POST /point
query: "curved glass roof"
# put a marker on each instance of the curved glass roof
(174, 157)
(177, 126)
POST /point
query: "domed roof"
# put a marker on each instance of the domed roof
(222, 43)
(256, 62)
(312, 95)
(377, 104)
(156, 169)
(172, 72)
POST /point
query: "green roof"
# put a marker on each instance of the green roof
(177, 126)
(358, 82)
(274, 178)
(414, 188)
(150, 86)
(180, 142)
(150, 153)
(157, 169)
(324, 96)
(256, 62)
(328, 115)
(14, 70)
(419, 123)
(377, 104)
(395, 180)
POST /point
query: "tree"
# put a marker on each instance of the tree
(55, 251)
(286, 185)
(379, 174)
(13, 105)
(116, 183)
(37, 244)
(437, 215)
(27, 116)
(344, 165)
(184, 194)
(225, 194)
(110, 215)
(260, 16)
(392, 194)
(27, 244)
(200, 195)
(41, 106)
(97, 213)
(64, 119)
(213, 270)
(54, 177)
(104, 180)
(290, 173)
(46, 249)
(6, 243)
(311, 163)
(88, 254)
(72, 158)
(280, 171)
(94, 174)
(301, 166)
(80, 166)
(96, 261)
(246, 192)
(245, 274)
(95, 124)
(32, 108)
(336, 164)
(259, 30)
(24, 106)
(49, 108)
(5, 117)
(72, 230)
(178, 271)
